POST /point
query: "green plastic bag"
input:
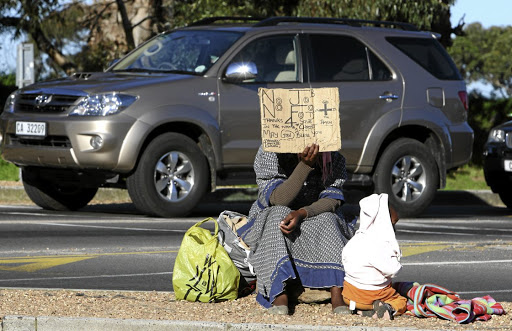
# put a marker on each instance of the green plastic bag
(203, 270)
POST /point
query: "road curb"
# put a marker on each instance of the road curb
(45, 323)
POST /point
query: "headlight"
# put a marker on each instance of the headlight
(102, 104)
(9, 104)
(496, 136)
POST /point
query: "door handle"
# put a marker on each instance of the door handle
(388, 97)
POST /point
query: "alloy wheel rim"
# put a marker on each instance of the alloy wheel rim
(408, 179)
(174, 176)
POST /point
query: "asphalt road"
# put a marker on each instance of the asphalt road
(465, 248)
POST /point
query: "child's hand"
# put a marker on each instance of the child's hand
(393, 215)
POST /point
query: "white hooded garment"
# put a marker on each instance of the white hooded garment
(372, 257)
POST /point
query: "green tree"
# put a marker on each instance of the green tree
(43, 23)
(484, 55)
(430, 15)
(100, 36)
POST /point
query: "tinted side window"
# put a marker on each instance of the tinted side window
(379, 70)
(343, 58)
(429, 54)
(275, 58)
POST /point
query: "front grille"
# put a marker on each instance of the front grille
(49, 141)
(44, 103)
(508, 139)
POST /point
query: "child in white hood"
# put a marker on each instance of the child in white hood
(371, 258)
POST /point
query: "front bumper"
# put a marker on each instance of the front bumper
(68, 141)
(498, 167)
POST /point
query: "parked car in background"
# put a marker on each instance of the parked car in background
(180, 113)
(498, 162)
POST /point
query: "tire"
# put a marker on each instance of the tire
(408, 173)
(506, 198)
(52, 195)
(171, 177)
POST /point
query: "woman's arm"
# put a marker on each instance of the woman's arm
(286, 192)
(321, 206)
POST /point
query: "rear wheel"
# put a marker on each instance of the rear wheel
(171, 177)
(54, 195)
(408, 173)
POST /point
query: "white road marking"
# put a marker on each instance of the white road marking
(435, 232)
(427, 226)
(455, 262)
(486, 292)
(111, 227)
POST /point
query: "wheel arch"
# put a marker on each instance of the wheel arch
(194, 123)
(192, 131)
(425, 136)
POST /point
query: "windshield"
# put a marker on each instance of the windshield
(190, 52)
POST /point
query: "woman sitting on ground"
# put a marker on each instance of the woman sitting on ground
(296, 228)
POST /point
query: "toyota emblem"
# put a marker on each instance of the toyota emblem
(42, 100)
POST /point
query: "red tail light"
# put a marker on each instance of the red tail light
(463, 95)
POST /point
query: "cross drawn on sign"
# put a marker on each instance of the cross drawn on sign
(325, 109)
(293, 118)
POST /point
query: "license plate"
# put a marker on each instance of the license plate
(508, 165)
(37, 129)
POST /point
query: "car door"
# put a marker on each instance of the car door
(277, 60)
(369, 91)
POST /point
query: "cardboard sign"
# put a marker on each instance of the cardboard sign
(291, 119)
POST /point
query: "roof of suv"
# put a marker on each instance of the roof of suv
(279, 20)
(244, 24)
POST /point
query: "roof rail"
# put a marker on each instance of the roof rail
(211, 20)
(271, 21)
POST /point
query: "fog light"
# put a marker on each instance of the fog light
(96, 142)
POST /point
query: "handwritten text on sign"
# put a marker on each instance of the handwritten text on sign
(291, 119)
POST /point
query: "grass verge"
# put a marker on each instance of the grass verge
(467, 177)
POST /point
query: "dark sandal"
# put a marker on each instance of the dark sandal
(379, 310)
(367, 313)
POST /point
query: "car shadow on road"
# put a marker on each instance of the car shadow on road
(446, 204)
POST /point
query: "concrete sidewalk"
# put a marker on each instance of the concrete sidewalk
(24, 323)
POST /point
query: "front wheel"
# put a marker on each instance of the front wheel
(54, 195)
(171, 177)
(506, 198)
(408, 173)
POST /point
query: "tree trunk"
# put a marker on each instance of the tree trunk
(127, 25)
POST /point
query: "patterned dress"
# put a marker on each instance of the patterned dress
(312, 253)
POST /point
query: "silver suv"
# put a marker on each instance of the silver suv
(180, 114)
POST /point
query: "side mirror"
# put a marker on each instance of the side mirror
(238, 72)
